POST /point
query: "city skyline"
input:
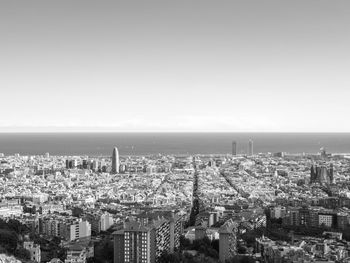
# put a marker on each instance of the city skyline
(232, 66)
(174, 131)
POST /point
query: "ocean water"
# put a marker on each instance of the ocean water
(101, 144)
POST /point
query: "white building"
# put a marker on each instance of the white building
(76, 256)
(80, 229)
(11, 211)
(106, 221)
(326, 220)
(34, 250)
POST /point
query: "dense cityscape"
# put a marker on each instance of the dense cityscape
(266, 207)
(174, 131)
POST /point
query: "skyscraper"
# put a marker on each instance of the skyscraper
(115, 161)
(250, 148)
(234, 148)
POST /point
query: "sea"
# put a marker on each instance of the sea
(137, 144)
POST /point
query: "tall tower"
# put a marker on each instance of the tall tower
(234, 148)
(115, 161)
(250, 148)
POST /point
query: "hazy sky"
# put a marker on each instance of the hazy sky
(175, 65)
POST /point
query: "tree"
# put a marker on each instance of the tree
(240, 259)
(104, 251)
(241, 250)
(22, 254)
(8, 240)
(170, 258)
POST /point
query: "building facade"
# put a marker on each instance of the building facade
(115, 161)
(228, 240)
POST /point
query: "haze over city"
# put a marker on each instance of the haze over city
(231, 66)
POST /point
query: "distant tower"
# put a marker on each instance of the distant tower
(234, 148)
(115, 161)
(250, 148)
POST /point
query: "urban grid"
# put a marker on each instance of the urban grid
(273, 207)
(181, 131)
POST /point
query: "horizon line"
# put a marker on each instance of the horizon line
(165, 131)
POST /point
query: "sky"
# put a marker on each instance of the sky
(184, 65)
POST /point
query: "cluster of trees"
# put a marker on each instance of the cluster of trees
(11, 242)
(50, 248)
(240, 259)
(207, 251)
(103, 251)
(194, 212)
(11, 233)
(185, 258)
(203, 246)
(195, 203)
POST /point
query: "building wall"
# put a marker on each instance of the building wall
(224, 247)
(162, 239)
(119, 247)
(34, 250)
(327, 220)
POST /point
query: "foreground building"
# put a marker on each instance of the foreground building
(135, 243)
(146, 240)
(228, 240)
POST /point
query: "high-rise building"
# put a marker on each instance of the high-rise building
(250, 148)
(115, 161)
(148, 238)
(234, 148)
(95, 165)
(135, 243)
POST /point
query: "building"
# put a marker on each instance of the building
(135, 243)
(342, 220)
(76, 256)
(322, 174)
(325, 219)
(67, 228)
(278, 212)
(293, 214)
(80, 229)
(228, 240)
(148, 237)
(95, 165)
(163, 236)
(99, 221)
(234, 148)
(115, 161)
(34, 250)
(250, 148)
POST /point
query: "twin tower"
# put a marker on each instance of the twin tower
(115, 161)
